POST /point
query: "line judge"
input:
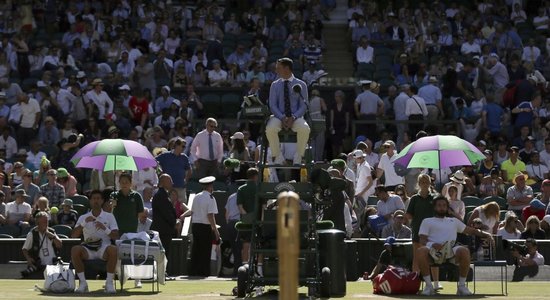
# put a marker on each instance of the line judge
(287, 103)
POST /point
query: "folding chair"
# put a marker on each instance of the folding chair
(492, 262)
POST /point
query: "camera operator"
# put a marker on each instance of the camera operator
(41, 246)
(527, 264)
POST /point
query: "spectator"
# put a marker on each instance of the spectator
(397, 229)
(99, 228)
(364, 53)
(8, 143)
(535, 208)
(470, 47)
(541, 20)
(368, 106)
(30, 118)
(177, 165)
(18, 212)
(48, 134)
(217, 76)
(240, 58)
(536, 171)
(386, 167)
(519, 195)
(339, 120)
(415, 110)
(532, 229)
(512, 165)
(42, 246)
(488, 214)
(144, 75)
(278, 31)
(52, 190)
(431, 94)
(67, 216)
(456, 206)
(387, 204)
(526, 111)
(32, 190)
(144, 222)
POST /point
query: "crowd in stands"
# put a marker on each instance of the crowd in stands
(73, 72)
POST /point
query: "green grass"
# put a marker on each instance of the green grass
(217, 289)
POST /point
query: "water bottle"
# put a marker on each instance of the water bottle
(266, 175)
(303, 174)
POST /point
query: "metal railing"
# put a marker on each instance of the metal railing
(438, 123)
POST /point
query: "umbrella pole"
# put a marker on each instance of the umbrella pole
(114, 175)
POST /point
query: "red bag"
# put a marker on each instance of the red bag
(396, 280)
(509, 96)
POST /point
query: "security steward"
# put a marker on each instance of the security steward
(203, 228)
(41, 247)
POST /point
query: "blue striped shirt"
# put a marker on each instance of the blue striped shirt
(277, 99)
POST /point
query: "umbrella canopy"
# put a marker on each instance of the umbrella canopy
(438, 152)
(114, 155)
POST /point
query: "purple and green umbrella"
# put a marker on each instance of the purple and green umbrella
(114, 155)
(439, 152)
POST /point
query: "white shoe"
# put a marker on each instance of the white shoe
(279, 160)
(82, 288)
(297, 160)
(462, 290)
(428, 291)
(109, 288)
(137, 284)
(438, 287)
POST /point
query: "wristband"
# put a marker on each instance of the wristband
(107, 231)
(429, 244)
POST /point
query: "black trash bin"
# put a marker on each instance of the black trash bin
(352, 260)
(331, 248)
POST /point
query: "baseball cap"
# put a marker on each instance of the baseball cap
(358, 154)
(389, 143)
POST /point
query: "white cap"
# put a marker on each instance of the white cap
(207, 180)
(358, 153)
(167, 88)
(546, 219)
(124, 87)
(80, 74)
(237, 136)
(176, 102)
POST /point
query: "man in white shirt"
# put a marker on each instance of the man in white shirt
(437, 240)
(64, 98)
(530, 52)
(30, 118)
(386, 167)
(364, 53)
(363, 179)
(125, 67)
(99, 228)
(8, 142)
(545, 154)
(432, 96)
(541, 21)
(415, 110)
(536, 171)
(100, 99)
(387, 204)
(207, 149)
(217, 76)
(399, 107)
(498, 72)
(18, 212)
(469, 47)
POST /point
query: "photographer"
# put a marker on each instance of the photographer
(527, 263)
(41, 246)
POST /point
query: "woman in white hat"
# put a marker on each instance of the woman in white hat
(458, 180)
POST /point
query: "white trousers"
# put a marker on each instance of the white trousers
(300, 126)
